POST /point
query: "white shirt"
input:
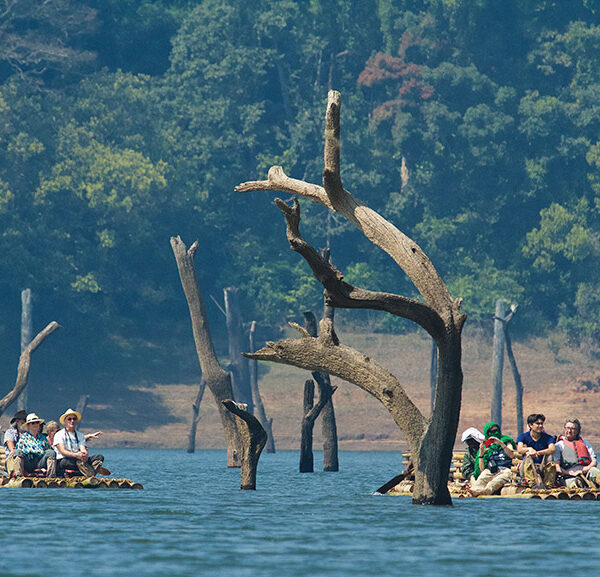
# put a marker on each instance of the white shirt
(71, 441)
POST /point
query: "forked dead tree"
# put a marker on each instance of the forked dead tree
(217, 379)
(430, 439)
(24, 364)
(254, 438)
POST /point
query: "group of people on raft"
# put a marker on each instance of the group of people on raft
(546, 461)
(57, 452)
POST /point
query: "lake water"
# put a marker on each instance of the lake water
(191, 519)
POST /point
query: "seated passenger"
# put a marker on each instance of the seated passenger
(493, 461)
(575, 457)
(52, 428)
(472, 438)
(537, 448)
(11, 438)
(71, 447)
(33, 450)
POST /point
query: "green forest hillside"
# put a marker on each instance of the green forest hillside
(472, 125)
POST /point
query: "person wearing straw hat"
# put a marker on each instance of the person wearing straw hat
(71, 447)
(33, 450)
(11, 438)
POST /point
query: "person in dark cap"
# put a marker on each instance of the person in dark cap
(11, 438)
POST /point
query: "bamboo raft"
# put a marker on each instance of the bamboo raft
(65, 482)
(511, 491)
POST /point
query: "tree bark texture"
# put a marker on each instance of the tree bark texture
(26, 334)
(238, 365)
(306, 429)
(191, 448)
(430, 439)
(498, 362)
(82, 404)
(433, 368)
(24, 364)
(328, 423)
(217, 379)
(253, 437)
(515, 370)
(259, 407)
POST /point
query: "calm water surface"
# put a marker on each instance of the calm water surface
(192, 520)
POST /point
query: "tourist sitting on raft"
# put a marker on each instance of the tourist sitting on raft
(33, 453)
(493, 461)
(537, 447)
(575, 459)
(11, 438)
(71, 449)
(52, 427)
(472, 438)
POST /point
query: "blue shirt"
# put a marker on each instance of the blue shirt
(542, 443)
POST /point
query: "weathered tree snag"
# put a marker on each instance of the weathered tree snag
(217, 379)
(433, 371)
(24, 364)
(498, 362)
(253, 437)
(515, 369)
(238, 365)
(328, 424)
(195, 417)
(259, 407)
(82, 404)
(26, 334)
(430, 439)
(306, 429)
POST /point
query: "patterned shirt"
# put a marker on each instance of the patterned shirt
(30, 444)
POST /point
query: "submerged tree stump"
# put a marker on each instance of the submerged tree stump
(254, 438)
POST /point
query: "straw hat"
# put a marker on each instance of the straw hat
(33, 418)
(67, 413)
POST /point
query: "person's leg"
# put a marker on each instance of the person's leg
(42, 463)
(548, 472)
(65, 463)
(529, 472)
(479, 485)
(594, 475)
(501, 478)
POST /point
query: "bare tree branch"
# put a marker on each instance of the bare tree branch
(325, 354)
(344, 295)
(24, 364)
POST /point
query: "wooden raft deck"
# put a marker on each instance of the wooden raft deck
(69, 483)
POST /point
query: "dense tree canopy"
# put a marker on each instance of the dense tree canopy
(123, 123)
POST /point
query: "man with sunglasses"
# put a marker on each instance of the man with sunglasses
(537, 448)
(71, 448)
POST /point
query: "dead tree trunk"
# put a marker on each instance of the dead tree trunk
(433, 371)
(515, 370)
(253, 437)
(306, 429)
(238, 365)
(26, 334)
(498, 362)
(82, 404)
(24, 364)
(195, 417)
(217, 379)
(328, 423)
(430, 440)
(267, 424)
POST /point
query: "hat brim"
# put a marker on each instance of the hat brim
(65, 415)
(40, 421)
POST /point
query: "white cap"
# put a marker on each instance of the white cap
(472, 433)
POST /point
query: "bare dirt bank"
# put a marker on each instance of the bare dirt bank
(553, 386)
